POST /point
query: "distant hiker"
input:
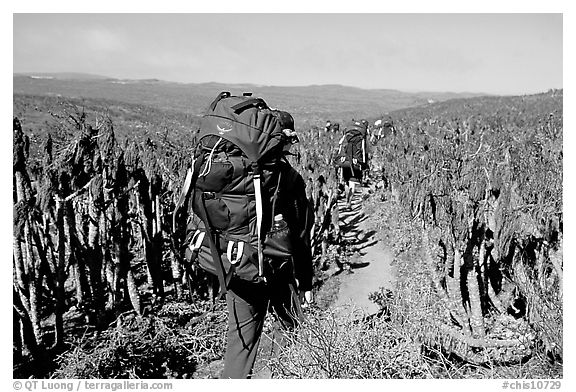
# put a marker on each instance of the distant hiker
(331, 127)
(382, 128)
(352, 157)
(375, 134)
(365, 169)
(248, 220)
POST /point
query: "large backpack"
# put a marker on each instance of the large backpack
(231, 189)
(352, 150)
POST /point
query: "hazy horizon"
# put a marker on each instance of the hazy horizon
(81, 75)
(502, 54)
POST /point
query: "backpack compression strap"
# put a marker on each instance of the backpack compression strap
(222, 95)
(259, 214)
(250, 102)
(191, 176)
(258, 196)
(189, 183)
(223, 279)
(340, 144)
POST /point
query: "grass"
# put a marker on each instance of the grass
(171, 344)
(339, 344)
(413, 307)
(185, 340)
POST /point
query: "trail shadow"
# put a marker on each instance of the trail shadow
(352, 223)
(356, 236)
(359, 265)
(359, 244)
(353, 233)
(344, 213)
(367, 239)
(365, 245)
(367, 236)
(343, 271)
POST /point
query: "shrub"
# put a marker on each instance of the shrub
(171, 344)
(342, 343)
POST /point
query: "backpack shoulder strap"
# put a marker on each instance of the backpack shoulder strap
(259, 211)
(189, 182)
(340, 144)
(275, 196)
(259, 214)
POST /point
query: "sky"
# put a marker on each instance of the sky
(496, 53)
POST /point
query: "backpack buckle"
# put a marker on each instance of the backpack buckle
(209, 195)
(239, 251)
(196, 241)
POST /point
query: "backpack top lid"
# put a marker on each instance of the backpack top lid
(360, 124)
(357, 127)
(247, 122)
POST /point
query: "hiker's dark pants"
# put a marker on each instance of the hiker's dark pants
(352, 175)
(247, 307)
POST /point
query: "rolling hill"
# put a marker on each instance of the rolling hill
(309, 104)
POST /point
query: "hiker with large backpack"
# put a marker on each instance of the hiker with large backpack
(382, 128)
(248, 221)
(352, 157)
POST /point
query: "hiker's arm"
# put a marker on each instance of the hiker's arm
(300, 217)
(302, 249)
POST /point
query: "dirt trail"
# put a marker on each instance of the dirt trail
(372, 268)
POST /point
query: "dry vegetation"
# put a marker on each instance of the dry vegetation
(467, 194)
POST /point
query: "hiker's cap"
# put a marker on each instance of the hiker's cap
(286, 120)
